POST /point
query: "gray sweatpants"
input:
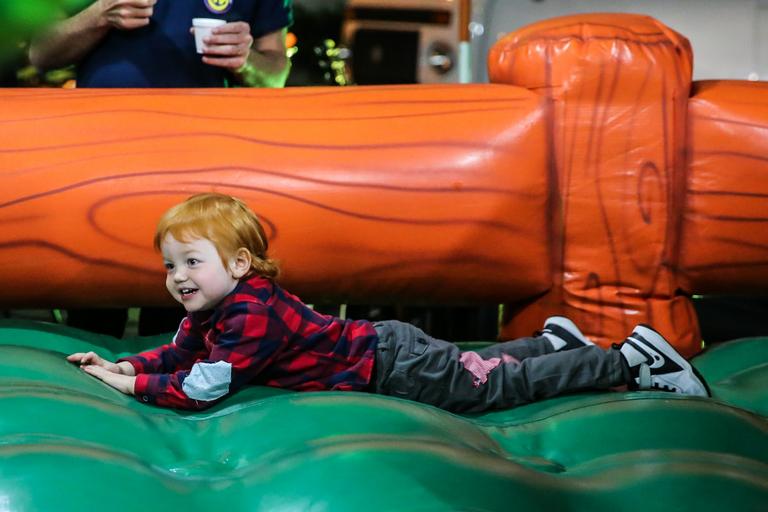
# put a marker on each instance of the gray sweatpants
(411, 364)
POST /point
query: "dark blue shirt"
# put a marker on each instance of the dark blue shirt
(163, 54)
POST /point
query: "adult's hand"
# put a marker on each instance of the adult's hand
(228, 46)
(254, 63)
(126, 14)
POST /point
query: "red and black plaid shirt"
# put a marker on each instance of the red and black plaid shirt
(269, 337)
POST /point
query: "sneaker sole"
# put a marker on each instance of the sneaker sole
(663, 346)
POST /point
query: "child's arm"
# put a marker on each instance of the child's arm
(93, 359)
(122, 383)
(248, 342)
(120, 376)
(186, 348)
(182, 353)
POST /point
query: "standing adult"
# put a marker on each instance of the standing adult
(150, 43)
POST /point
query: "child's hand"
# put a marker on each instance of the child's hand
(92, 358)
(122, 383)
(83, 358)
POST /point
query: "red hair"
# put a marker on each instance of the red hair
(224, 220)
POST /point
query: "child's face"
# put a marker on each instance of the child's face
(196, 277)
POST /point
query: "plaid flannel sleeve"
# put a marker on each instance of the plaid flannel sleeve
(187, 346)
(246, 344)
(250, 341)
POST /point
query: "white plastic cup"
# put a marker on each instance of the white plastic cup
(203, 28)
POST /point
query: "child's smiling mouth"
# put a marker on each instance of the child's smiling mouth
(187, 293)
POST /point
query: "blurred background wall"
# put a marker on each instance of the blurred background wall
(417, 40)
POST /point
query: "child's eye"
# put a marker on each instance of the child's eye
(169, 266)
(192, 262)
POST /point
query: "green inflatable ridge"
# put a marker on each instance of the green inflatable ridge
(69, 443)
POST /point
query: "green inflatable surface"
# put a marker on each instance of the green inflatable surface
(70, 443)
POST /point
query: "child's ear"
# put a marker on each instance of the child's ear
(240, 264)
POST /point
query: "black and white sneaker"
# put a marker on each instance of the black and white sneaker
(655, 364)
(563, 334)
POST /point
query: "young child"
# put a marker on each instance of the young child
(242, 328)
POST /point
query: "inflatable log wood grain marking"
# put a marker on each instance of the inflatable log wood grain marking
(725, 235)
(371, 193)
(618, 86)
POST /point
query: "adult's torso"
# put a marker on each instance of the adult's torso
(163, 54)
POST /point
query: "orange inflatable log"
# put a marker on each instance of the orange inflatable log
(725, 235)
(591, 180)
(369, 194)
(618, 87)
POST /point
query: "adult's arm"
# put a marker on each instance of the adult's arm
(260, 62)
(268, 64)
(71, 39)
